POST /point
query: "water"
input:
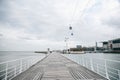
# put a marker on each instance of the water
(12, 55)
(111, 56)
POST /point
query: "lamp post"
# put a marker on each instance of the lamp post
(66, 41)
(71, 33)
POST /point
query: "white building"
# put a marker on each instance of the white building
(112, 45)
(105, 45)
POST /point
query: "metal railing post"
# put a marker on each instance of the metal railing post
(119, 74)
(83, 61)
(106, 71)
(86, 63)
(77, 60)
(31, 62)
(91, 64)
(97, 69)
(80, 60)
(100, 68)
(28, 63)
(15, 71)
(20, 65)
(6, 71)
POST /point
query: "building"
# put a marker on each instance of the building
(112, 45)
(78, 46)
(105, 45)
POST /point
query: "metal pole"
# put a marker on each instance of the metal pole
(66, 40)
(79, 60)
(83, 61)
(97, 69)
(91, 62)
(20, 65)
(119, 74)
(106, 72)
(6, 71)
(15, 71)
(28, 64)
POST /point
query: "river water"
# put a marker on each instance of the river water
(12, 55)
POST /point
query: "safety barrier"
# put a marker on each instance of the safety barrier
(105, 67)
(10, 69)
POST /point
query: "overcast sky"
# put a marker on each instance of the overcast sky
(41, 24)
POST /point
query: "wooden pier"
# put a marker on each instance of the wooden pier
(57, 67)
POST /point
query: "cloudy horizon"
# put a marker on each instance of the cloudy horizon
(40, 24)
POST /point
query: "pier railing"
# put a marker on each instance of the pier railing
(10, 69)
(105, 67)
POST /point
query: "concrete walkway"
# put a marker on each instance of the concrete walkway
(57, 67)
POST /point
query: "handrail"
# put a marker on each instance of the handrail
(113, 68)
(113, 77)
(15, 67)
(2, 71)
(81, 59)
(113, 72)
(2, 75)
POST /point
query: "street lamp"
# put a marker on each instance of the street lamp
(66, 41)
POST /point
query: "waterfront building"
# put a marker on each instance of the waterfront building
(78, 46)
(112, 45)
(95, 48)
(105, 45)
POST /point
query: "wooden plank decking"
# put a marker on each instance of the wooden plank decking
(57, 67)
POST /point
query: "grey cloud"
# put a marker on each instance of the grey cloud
(4, 8)
(119, 1)
(46, 20)
(26, 38)
(112, 22)
(35, 19)
(1, 35)
(40, 23)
